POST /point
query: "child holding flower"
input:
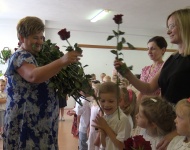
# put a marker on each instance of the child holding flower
(182, 122)
(155, 119)
(114, 126)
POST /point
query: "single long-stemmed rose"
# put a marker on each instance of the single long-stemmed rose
(65, 35)
(119, 45)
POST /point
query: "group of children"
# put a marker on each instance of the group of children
(120, 117)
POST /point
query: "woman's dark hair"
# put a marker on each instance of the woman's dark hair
(160, 41)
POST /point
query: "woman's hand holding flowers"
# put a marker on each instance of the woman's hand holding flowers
(121, 67)
(71, 79)
(71, 57)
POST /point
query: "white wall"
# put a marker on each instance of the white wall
(99, 60)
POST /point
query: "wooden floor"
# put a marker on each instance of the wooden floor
(66, 139)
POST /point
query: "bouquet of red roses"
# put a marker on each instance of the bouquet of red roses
(71, 79)
(137, 143)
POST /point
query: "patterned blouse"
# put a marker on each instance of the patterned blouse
(31, 116)
(147, 74)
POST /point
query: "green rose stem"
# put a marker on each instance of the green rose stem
(68, 43)
(117, 75)
(96, 99)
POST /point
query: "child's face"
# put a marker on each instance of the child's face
(2, 86)
(108, 102)
(182, 121)
(141, 119)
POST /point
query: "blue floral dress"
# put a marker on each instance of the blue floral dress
(31, 117)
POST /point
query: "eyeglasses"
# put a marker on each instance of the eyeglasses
(171, 26)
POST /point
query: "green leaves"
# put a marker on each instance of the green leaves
(130, 46)
(114, 52)
(119, 45)
(110, 37)
(117, 34)
(70, 80)
(77, 48)
(69, 48)
(5, 55)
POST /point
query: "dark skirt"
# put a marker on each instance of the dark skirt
(62, 102)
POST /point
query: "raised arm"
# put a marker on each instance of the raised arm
(34, 74)
(138, 84)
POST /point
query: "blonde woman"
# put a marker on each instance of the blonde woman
(174, 77)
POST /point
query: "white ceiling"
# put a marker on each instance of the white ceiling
(138, 14)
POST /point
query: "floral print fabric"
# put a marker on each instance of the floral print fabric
(31, 117)
(147, 75)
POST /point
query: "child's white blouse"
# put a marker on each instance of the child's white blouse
(178, 144)
(153, 140)
(120, 125)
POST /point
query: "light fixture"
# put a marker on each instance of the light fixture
(100, 15)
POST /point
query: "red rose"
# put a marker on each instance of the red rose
(137, 143)
(64, 35)
(57, 47)
(128, 144)
(147, 145)
(118, 19)
(140, 142)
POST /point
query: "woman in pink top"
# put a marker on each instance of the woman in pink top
(156, 49)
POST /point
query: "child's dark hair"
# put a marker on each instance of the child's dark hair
(160, 112)
(109, 87)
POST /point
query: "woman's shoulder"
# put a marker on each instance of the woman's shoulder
(20, 54)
